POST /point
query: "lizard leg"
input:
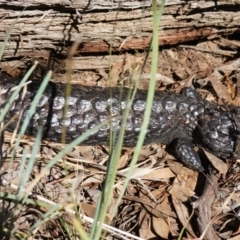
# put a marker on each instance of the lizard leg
(185, 152)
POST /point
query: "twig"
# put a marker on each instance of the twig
(203, 205)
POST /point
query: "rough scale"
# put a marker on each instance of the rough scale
(177, 119)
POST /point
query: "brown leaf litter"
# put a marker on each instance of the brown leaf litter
(158, 200)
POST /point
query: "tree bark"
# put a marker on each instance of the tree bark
(49, 28)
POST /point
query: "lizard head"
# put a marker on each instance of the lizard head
(220, 131)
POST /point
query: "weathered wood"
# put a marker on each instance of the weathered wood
(81, 5)
(51, 27)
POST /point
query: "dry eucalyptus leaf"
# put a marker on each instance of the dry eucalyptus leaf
(175, 166)
(219, 88)
(88, 209)
(160, 173)
(173, 226)
(181, 192)
(183, 215)
(123, 160)
(187, 178)
(141, 171)
(145, 231)
(217, 163)
(161, 227)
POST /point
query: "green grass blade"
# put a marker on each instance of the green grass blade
(32, 109)
(104, 199)
(16, 92)
(156, 18)
(31, 161)
(9, 196)
(67, 149)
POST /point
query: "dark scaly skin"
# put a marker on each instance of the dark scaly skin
(175, 118)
